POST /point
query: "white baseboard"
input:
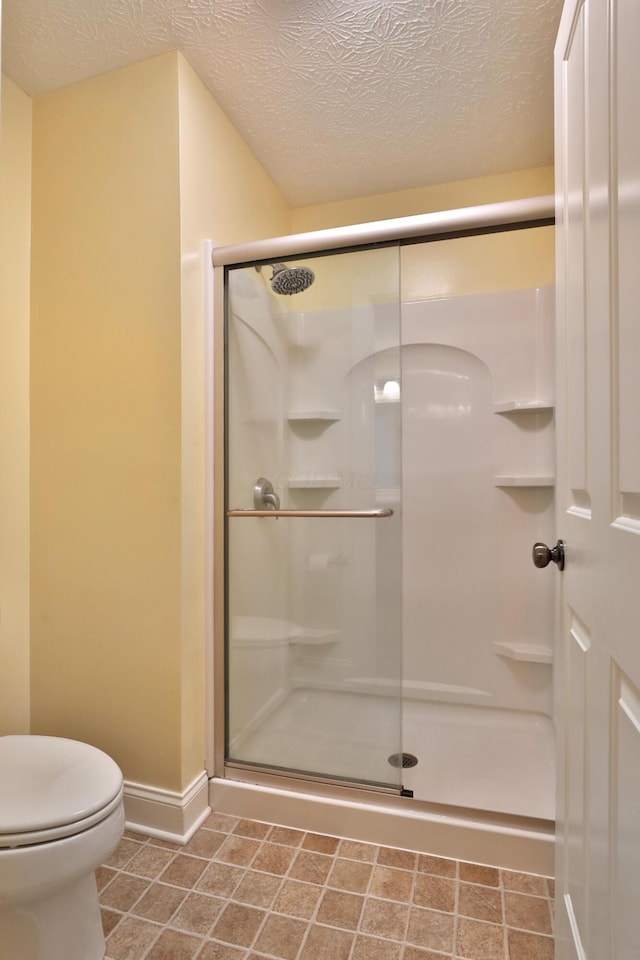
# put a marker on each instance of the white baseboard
(166, 814)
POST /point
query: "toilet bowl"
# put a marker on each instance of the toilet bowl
(61, 816)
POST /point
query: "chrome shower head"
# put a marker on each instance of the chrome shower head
(290, 280)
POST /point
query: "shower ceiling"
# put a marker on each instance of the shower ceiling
(337, 98)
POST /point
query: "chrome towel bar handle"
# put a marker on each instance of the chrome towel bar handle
(376, 514)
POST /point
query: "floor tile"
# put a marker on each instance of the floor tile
(105, 875)
(124, 852)
(480, 903)
(252, 829)
(436, 865)
(527, 913)
(475, 873)
(427, 928)
(324, 943)
(320, 843)
(416, 953)
(292, 838)
(205, 843)
(357, 850)
(131, 938)
(172, 945)
(350, 875)
(110, 919)
(238, 851)
(238, 924)
(184, 871)
(258, 889)
(391, 884)
(529, 946)
(371, 948)
(311, 867)
(390, 857)
(221, 951)
(281, 937)
(221, 821)
(385, 919)
(149, 862)
(220, 879)
(480, 941)
(436, 893)
(274, 858)
(524, 883)
(298, 899)
(198, 913)
(247, 890)
(159, 902)
(340, 909)
(122, 893)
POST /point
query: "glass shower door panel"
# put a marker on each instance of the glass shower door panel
(314, 602)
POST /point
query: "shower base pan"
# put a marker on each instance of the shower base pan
(483, 786)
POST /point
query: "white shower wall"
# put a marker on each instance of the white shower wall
(469, 582)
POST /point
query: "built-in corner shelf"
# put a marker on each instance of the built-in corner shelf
(528, 652)
(313, 416)
(309, 481)
(387, 496)
(315, 637)
(523, 406)
(523, 481)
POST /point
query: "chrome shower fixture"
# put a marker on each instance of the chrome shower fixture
(289, 280)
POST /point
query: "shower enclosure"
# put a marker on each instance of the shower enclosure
(389, 448)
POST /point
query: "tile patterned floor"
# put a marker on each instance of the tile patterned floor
(244, 890)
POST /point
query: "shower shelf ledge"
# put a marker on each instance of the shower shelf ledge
(524, 481)
(530, 652)
(523, 406)
(319, 416)
(306, 482)
(315, 637)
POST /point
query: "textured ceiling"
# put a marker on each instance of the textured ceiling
(337, 98)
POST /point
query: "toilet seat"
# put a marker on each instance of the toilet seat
(52, 787)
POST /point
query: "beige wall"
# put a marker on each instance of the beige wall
(514, 260)
(224, 189)
(15, 238)
(534, 182)
(105, 354)
(132, 171)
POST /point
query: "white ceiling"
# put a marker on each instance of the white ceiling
(337, 98)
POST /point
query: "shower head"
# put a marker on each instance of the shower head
(290, 280)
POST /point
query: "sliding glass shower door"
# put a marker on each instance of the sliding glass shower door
(313, 517)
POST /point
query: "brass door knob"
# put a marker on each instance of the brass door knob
(543, 556)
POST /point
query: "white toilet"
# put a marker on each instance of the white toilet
(61, 816)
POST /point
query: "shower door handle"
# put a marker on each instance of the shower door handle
(376, 514)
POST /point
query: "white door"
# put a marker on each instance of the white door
(598, 507)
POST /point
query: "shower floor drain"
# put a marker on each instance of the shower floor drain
(403, 760)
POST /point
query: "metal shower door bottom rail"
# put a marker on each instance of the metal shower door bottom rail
(275, 514)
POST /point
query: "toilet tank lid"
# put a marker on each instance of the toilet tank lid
(50, 781)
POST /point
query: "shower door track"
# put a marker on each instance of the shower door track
(424, 228)
(447, 224)
(249, 771)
